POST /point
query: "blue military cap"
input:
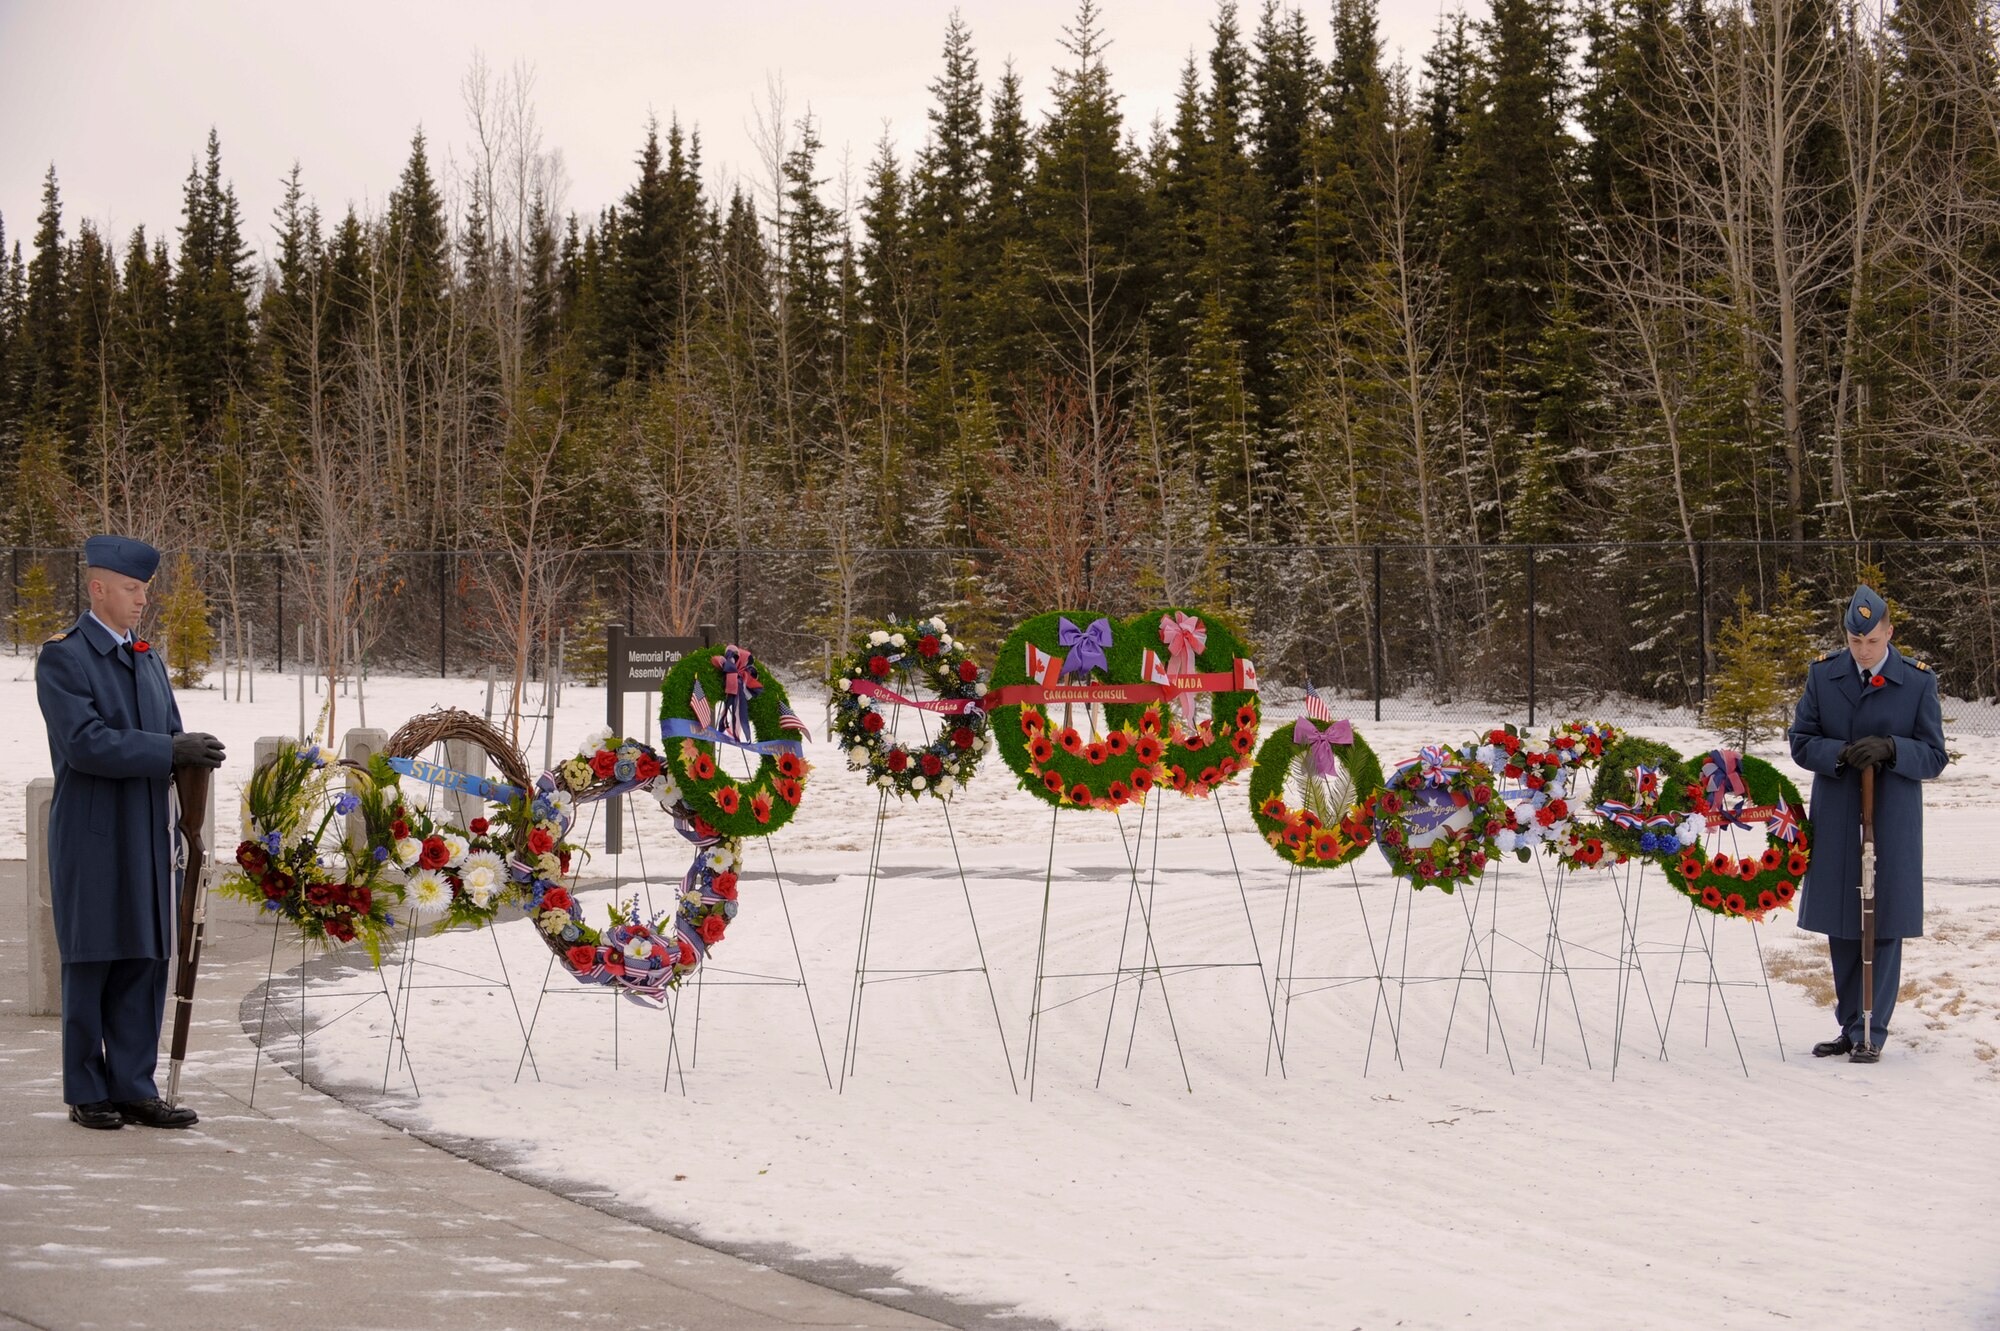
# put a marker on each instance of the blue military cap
(122, 554)
(1867, 611)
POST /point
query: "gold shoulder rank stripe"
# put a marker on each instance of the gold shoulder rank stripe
(1921, 665)
(1824, 656)
(56, 637)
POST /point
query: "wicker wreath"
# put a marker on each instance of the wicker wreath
(1304, 835)
(1201, 752)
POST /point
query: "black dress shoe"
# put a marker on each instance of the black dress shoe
(97, 1114)
(156, 1113)
(1865, 1056)
(1828, 1048)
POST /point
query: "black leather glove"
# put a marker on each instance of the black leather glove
(1871, 751)
(194, 749)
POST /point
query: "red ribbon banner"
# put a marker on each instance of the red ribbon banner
(1214, 681)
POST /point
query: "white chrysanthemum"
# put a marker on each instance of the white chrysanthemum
(408, 850)
(456, 846)
(554, 921)
(877, 638)
(482, 875)
(429, 890)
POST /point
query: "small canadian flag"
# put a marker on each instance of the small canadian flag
(1043, 668)
(1246, 676)
(1153, 669)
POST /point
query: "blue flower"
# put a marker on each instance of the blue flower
(389, 920)
(570, 933)
(381, 854)
(270, 905)
(544, 809)
(346, 804)
(271, 842)
(1648, 842)
(624, 769)
(728, 910)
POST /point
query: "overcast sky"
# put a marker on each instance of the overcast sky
(120, 96)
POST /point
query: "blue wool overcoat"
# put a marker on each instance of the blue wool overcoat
(1838, 706)
(111, 718)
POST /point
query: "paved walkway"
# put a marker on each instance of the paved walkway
(305, 1213)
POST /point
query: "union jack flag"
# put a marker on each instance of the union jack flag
(1785, 823)
(1315, 706)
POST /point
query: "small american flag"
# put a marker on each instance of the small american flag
(698, 704)
(1316, 707)
(788, 720)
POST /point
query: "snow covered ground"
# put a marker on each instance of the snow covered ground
(1444, 1189)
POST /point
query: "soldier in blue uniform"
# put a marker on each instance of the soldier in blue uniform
(114, 739)
(1867, 706)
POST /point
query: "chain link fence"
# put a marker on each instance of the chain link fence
(1618, 630)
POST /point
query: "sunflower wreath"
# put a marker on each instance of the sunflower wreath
(1732, 791)
(1451, 801)
(1055, 656)
(864, 684)
(1167, 647)
(1317, 838)
(730, 699)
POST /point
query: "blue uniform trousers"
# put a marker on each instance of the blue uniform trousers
(111, 1013)
(1846, 956)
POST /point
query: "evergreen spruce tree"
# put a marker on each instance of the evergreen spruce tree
(419, 240)
(1749, 699)
(212, 280)
(45, 334)
(188, 637)
(1005, 298)
(945, 192)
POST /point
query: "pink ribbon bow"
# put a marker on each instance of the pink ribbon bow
(1185, 637)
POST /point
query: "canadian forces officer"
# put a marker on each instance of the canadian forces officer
(1866, 706)
(114, 739)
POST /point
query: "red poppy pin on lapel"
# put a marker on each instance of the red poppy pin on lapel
(141, 645)
(1877, 682)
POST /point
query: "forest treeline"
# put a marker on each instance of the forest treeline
(1628, 270)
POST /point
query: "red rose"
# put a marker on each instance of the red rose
(712, 929)
(603, 762)
(928, 645)
(1479, 859)
(687, 953)
(931, 763)
(703, 828)
(1561, 807)
(967, 672)
(581, 957)
(540, 842)
(897, 760)
(872, 722)
(724, 885)
(557, 898)
(341, 927)
(399, 829)
(1392, 803)
(1482, 793)
(727, 799)
(963, 737)
(1535, 782)
(878, 666)
(645, 769)
(1392, 836)
(479, 825)
(1510, 771)
(1546, 815)
(435, 854)
(1458, 799)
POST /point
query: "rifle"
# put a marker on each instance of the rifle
(1867, 907)
(191, 784)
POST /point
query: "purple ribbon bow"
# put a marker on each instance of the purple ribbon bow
(1324, 761)
(1086, 646)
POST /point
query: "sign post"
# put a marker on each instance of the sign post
(636, 664)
